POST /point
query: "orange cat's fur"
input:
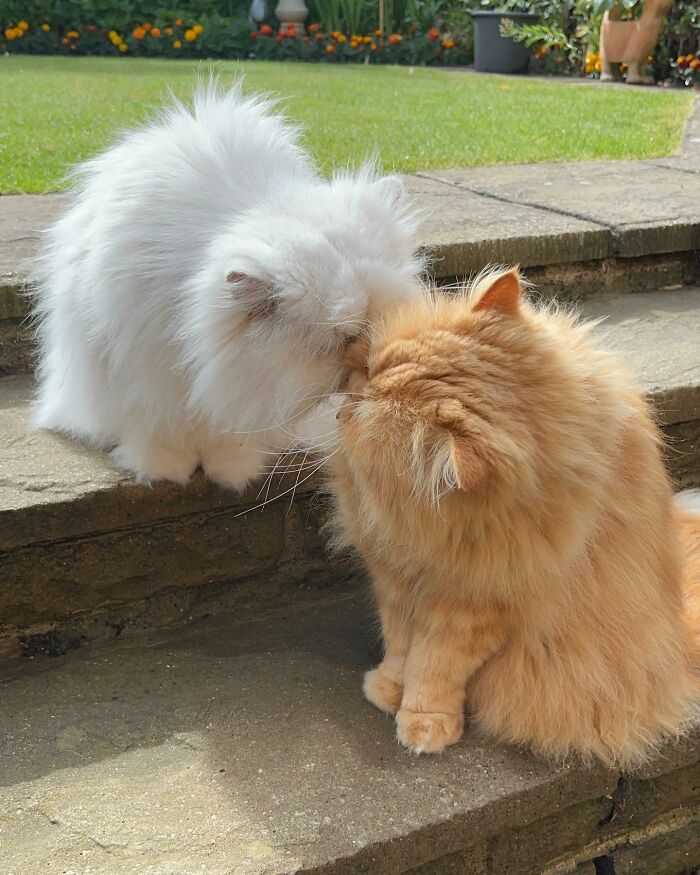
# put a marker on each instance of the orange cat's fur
(502, 478)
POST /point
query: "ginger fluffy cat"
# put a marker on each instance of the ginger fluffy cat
(502, 478)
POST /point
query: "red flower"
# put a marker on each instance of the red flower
(306, 39)
(266, 30)
(91, 28)
(314, 28)
(319, 37)
(253, 34)
(414, 29)
(395, 38)
(279, 39)
(434, 33)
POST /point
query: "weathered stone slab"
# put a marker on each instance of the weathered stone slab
(658, 335)
(647, 208)
(245, 746)
(22, 219)
(464, 232)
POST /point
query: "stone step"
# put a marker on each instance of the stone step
(578, 228)
(241, 746)
(86, 553)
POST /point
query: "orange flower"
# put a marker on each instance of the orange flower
(72, 34)
(155, 32)
(147, 25)
(373, 47)
(253, 34)
(198, 29)
(265, 30)
(190, 35)
(65, 40)
(138, 33)
(314, 28)
(178, 22)
(395, 39)
(23, 25)
(177, 44)
(433, 33)
(291, 32)
(448, 44)
(319, 37)
(694, 64)
(378, 33)
(330, 50)
(168, 31)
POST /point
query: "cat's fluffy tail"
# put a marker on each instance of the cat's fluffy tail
(688, 516)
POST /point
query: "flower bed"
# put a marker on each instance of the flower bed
(221, 37)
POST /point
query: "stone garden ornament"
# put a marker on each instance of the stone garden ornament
(630, 42)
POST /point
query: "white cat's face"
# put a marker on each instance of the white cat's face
(324, 261)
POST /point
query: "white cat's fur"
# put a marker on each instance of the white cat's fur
(194, 300)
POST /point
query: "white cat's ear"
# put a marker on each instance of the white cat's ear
(393, 188)
(255, 296)
(503, 295)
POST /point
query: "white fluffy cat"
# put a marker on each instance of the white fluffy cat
(194, 301)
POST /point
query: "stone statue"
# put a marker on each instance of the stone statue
(631, 42)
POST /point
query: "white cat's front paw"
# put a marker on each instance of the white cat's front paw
(234, 466)
(152, 462)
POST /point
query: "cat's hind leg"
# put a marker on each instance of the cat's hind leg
(158, 455)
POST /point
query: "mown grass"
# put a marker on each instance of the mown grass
(57, 111)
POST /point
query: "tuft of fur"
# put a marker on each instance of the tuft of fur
(503, 480)
(194, 300)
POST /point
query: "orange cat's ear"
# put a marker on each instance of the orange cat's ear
(503, 295)
(468, 469)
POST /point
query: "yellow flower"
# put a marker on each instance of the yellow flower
(10, 33)
(168, 31)
(341, 38)
(123, 47)
(72, 34)
(198, 29)
(448, 44)
(190, 35)
(46, 27)
(112, 33)
(367, 40)
(177, 44)
(23, 25)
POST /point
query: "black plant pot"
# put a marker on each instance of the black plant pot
(494, 53)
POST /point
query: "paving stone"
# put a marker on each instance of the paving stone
(464, 232)
(647, 208)
(22, 218)
(247, 747)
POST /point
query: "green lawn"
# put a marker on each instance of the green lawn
(56, 111)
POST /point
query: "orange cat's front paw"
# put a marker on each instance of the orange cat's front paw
(382, 692)
(428, 732)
